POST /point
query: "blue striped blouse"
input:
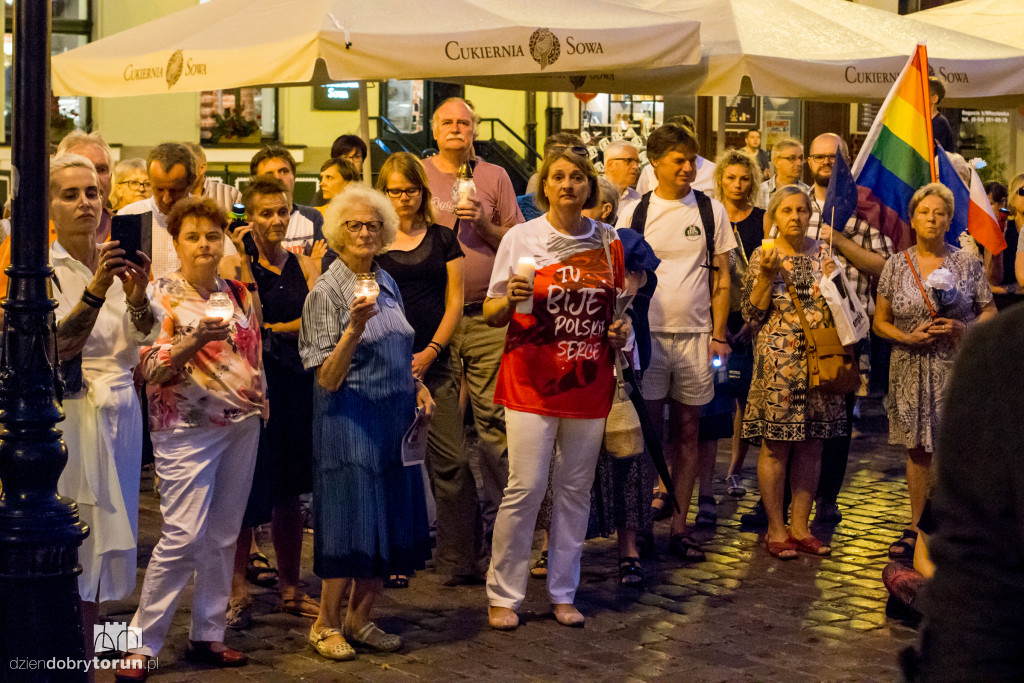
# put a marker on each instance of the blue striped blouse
(381, 365)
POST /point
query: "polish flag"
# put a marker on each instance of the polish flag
(981, 220)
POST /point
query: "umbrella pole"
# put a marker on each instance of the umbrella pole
(364, 131)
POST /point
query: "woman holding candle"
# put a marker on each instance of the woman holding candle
(206, 396)
(790, 420)
(555, 380)
(927, 296)
(428, 265)
(369, 509)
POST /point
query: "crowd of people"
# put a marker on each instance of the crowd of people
(289, 354)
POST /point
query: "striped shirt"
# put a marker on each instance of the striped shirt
(381, 365)
(768, 188)
(225, 195)
(305, 227)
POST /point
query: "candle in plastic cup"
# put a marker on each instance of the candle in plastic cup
(767, 244)
(366, 285)
(527, 268)
(219, 306)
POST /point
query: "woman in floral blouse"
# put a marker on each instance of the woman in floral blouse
(206, 396)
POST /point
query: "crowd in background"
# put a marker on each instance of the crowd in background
(289, 352)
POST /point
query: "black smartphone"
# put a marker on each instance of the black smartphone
(134, 233)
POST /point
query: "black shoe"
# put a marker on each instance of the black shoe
(756, 517)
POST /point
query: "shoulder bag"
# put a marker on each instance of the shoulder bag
(830, 366)
(623, 436)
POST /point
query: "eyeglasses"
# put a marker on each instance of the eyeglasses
(578, 150)
(794, 159)
(819, 158)
(137, 185)
(357, 226)
(395, 192)
(629, 161)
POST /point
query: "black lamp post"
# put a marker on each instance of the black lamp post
(40, 532)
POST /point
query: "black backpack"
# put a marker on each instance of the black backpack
(707, 218)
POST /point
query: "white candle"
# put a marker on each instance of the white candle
(527, 268)
(366, 285)
(219, 306)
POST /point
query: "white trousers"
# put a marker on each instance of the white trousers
(531, 441)
(205, 475)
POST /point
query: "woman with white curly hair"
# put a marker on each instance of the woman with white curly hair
(370, 510)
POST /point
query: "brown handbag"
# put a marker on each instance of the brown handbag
(830, 366)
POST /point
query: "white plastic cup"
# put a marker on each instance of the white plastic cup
(527, 268)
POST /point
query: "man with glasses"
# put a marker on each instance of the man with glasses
(788, 159)
(480, 223)
(622, 169)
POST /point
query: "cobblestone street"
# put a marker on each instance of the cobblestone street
(739, 616)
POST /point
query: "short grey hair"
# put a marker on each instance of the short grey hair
(606, 192)
(933, 190)
(613, 148)
(68, 160)
(79, 138)
(126, 166)
(782, 145)
(781, 195)
(358, 193)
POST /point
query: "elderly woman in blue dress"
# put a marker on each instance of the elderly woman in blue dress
(370, 510)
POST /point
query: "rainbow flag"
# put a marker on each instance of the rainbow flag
(898, 154)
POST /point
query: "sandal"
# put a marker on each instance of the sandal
(299, 604)
(339, 652)
(372, 637)
(736, 488)
(812, 546)
(903, 549)
(663, 511)
(539, 570)
(260, 572)
(781, 550)
(685, 548)
(707, 513)
(630, 571)
(397, 581)
(239, 614)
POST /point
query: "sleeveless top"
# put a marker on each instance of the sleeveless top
(282, 296)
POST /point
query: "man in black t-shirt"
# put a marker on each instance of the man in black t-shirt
(942, 132)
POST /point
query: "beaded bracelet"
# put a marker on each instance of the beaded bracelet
(437, 347)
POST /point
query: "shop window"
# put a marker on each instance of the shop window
(238, 115)
(71, 28)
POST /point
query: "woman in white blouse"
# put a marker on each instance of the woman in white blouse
(103, 316)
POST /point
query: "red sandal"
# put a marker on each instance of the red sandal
(811, 546)
(777, 549)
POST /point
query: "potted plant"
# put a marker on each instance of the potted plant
(233, 127)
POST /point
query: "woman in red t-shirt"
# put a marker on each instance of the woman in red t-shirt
(555, 381)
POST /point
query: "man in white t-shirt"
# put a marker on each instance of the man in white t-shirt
(689, 307)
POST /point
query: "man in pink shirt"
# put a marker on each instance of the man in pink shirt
(480, 224)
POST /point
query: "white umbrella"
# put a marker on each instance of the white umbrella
(816, 49)
(233, 43)
(999, 20)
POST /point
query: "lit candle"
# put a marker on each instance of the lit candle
(767, 244)
(366, 285)
(219, 306)
(527, 268)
